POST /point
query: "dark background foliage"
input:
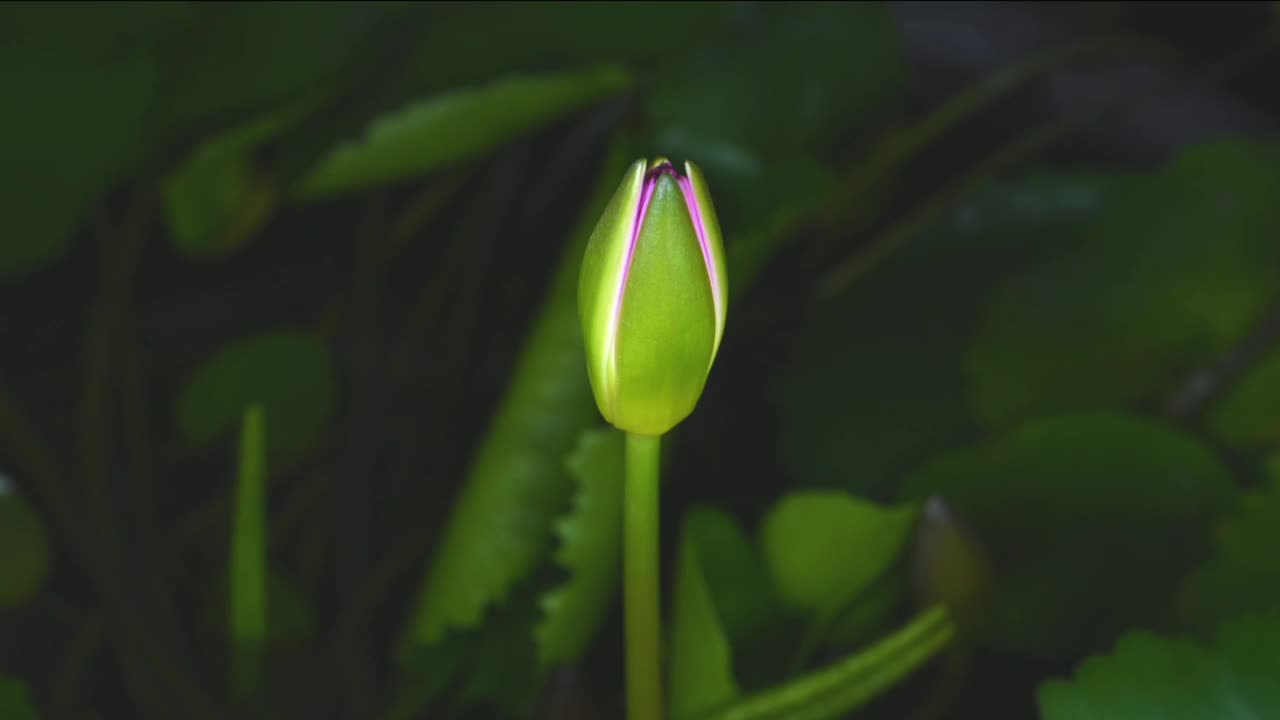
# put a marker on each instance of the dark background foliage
(1004, 334)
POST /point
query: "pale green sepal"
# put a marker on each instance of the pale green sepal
(715, 243)
(600, 284)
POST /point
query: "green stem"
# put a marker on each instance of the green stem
(640, 565)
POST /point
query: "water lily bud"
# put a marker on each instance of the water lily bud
(652, 297)
(951, 565)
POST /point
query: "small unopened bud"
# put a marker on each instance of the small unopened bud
(652, 297)
(950, 564)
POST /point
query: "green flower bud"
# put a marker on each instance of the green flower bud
(652, 298)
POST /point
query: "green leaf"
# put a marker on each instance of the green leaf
(500, 527)
(247, 567)
(552, 35)
(1090, 520)
(863, 402)
(743, 596)
(701, 671)
(1243, 576)
(1163, 282)
(291, 375)
(760, 103)
(457, 126)
(215, 201)
(494, 666)
(236, 61)
(14, 704)
(1149, 676)
(24, 553)
(784, 77)
(843, 687)
(823, 548)
(75, 99)
(1247, 417)
(590, 536)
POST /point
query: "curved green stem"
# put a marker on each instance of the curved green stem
(640, 566)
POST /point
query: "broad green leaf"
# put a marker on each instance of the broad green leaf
(1243, 577)
(1248, 417)
(457, 126)
(73, 126)
(500, 526)
(14, 703)
(701, 670)
(1179, 267)
(291, 375)
(590, 550)
(837, 690)
(1148, 676)
(823, 548)
(1090, 519)
(24, 553)
(743, 596)
(215, 201)
(247, 568)
(864, 402)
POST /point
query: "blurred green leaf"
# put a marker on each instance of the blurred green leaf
(500, 526)
(456, 126)
(784, 77)
(24, 553)
(215, 201)
(1248, 417)
(494, 666)
(1090, 520)
(839, 689)
(1149, 676)
(590, 536)
(73, 126)
(758, 104)
(1176, 269)
(550, 36)
(701, 670)
(228, 62)
(247, 566)
(1243, 577)
(823, 548)
(876, 381)
(291, 375)
(743, 596)
(14, 704)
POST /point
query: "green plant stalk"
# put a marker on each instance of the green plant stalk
(247, 604)
(641, 579)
